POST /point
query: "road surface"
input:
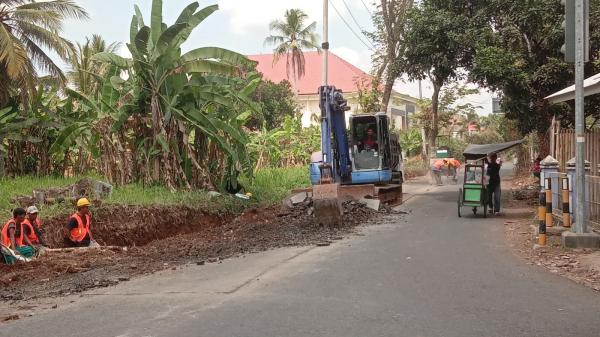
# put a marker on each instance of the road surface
(427, 273)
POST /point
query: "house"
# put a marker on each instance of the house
(342, 75)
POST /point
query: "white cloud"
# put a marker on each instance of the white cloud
(248, 17)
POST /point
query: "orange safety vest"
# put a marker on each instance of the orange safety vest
(79, 233)
(6, 238)
(32, 236)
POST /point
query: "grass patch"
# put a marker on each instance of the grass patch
(268, 187)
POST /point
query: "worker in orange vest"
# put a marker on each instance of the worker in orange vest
(15, 237)
(453, 166)
(34, 226)
(79, 226)
(436, 171)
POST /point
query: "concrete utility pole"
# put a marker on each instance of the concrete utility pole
(580, 225)
(325, 44)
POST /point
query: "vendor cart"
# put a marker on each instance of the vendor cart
(474, 191)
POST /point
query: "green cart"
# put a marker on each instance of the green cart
(474, 193)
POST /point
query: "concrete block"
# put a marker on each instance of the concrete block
(298, 198)
(585, 240)
(374, 204)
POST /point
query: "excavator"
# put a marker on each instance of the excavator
(363, 161)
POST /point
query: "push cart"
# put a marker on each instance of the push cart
(474, 191)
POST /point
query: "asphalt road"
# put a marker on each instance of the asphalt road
(427, 273)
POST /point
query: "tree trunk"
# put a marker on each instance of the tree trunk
(435, 100)
(543, 144)
(387, 91)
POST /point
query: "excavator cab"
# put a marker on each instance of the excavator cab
(370, 149)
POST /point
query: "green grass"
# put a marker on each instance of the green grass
(268, 187)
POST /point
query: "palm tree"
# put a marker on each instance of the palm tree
(290, 37)
(28, 30)
(84, 72)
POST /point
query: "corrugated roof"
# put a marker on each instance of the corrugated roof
(342, 74)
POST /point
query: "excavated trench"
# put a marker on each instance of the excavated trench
(136, 225)
(163, 237)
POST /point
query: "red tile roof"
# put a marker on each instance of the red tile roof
(342, 74)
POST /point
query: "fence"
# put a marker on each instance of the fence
(564, 148)
(592, 198)
(592, 201)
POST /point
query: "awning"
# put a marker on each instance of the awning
(591, 86)
(479, 151)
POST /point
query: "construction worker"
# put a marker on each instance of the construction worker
(370, 142)
(79, 226)
(453, 166)
(436, 170)
(34, 226)
(15, 237)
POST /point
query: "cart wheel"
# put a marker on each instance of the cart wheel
(474, 210)
(460, 194)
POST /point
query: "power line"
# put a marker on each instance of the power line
(366, 7)
(349, 27)
(356, 22)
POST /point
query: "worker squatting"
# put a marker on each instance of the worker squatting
(23, 235)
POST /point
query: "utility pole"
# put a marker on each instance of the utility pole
(325, 44)
(580, 30)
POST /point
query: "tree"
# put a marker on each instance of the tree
(85, 74)
(440, 41)
(521, 59)
(277, 102)
(369, 95)
(28, 29)
(185, 111)
(452, 111)
(390, 21)
(290, 37)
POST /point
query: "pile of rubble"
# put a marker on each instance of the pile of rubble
(87, 187)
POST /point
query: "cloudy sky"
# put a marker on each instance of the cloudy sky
(242, 25)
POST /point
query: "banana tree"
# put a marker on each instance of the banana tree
(12, 128)
(176, 97)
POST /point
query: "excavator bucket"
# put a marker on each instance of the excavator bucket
(327, 204)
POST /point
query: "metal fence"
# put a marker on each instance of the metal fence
(556, 192)
(592, 202)
(592, 198)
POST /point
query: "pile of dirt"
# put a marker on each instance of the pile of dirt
(167, 237)
(525, 191)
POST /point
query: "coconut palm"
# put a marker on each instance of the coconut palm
(28, 30)
(290, 37)
(84, 71)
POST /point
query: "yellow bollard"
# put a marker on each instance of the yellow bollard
(549, 218)
(542, 219)
(566, 208)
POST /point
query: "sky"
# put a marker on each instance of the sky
(242, 25)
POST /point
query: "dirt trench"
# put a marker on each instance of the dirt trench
(166, 238)
(131, 226)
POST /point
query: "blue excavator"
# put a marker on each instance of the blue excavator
(362, 161)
